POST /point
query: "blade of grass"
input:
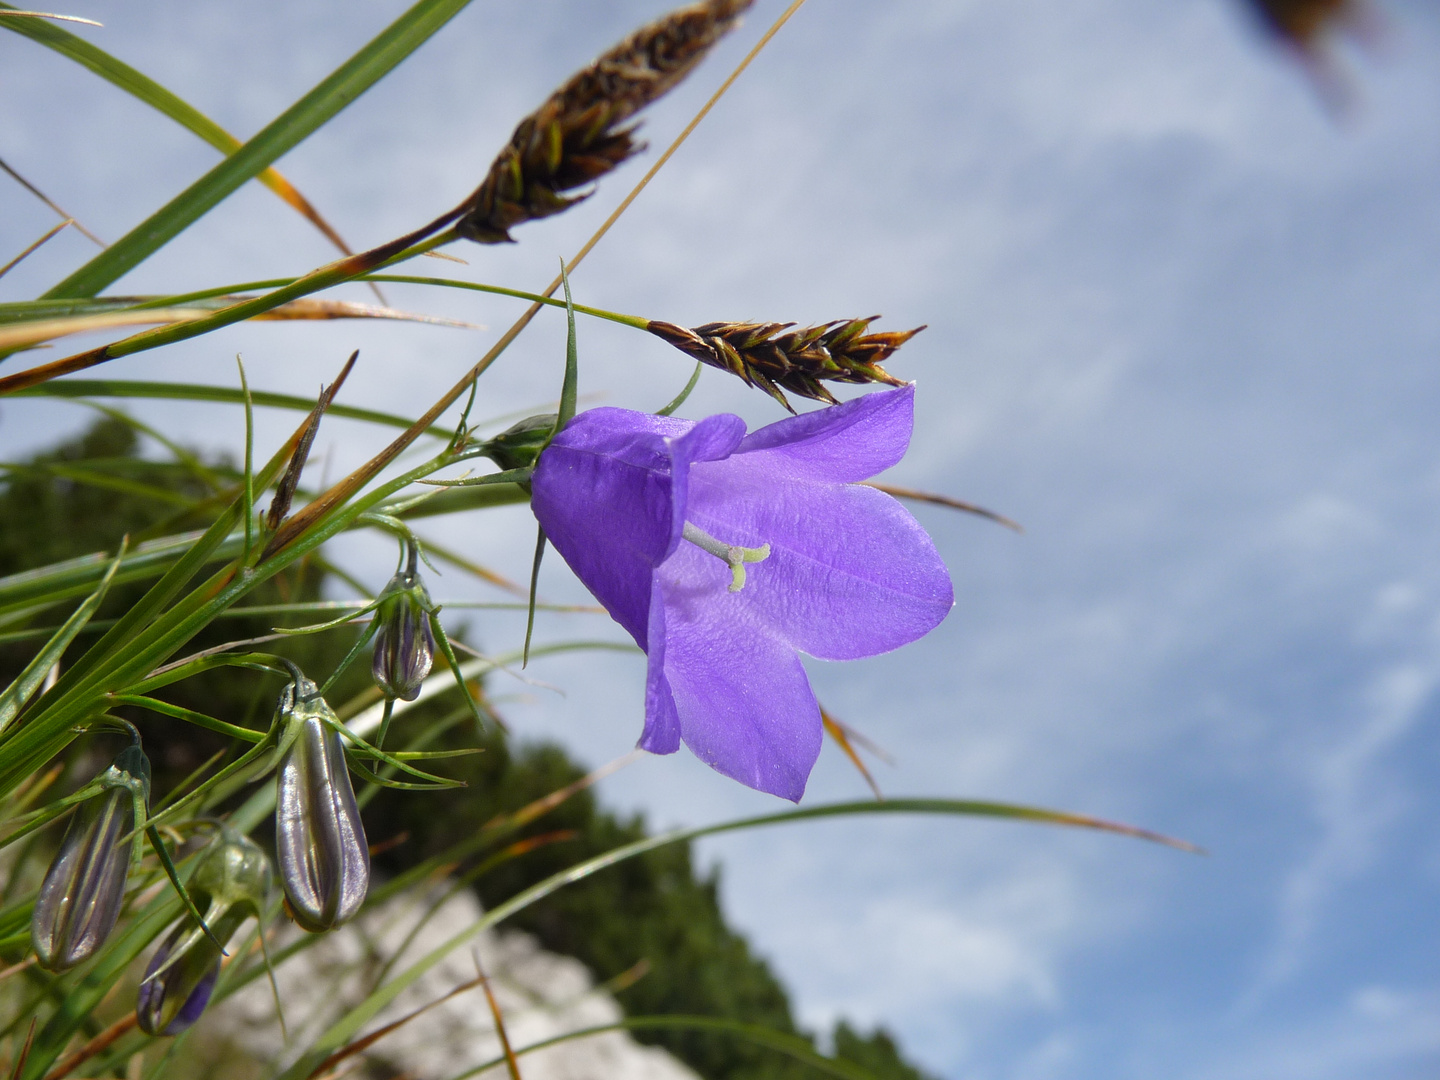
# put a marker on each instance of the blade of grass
(791, 1045)
(945, 500)
(512, 1066)
(351, 79)
(841, 734)
(14, 696)
(182, 112)
(158, 391)
(361, 476)
(15, 336)
(347, 1026)
(15, 13)
(53, 232)
(23, 29)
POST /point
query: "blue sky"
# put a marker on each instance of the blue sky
(1183, 325)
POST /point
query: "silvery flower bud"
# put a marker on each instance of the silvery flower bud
(84, 888)
(319, 840)
(404, 644)
(229, 886)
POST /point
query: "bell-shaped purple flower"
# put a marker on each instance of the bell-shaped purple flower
(84, 889)
(319, 839)
(230, 884)
(724, 554)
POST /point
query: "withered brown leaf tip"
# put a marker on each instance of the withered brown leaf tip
(577, 135)
(1302, 22)
(776, 358)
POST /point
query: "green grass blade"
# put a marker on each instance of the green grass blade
(73, 577)
(14, 696)
(163, 391)
(790, 1045)
(162, 100)
(289, 129)
(569, 388)
(344, 1029)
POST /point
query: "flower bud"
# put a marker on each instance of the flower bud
(84, 888)
(404, 644)
(229, 886)
(319, 840)
(519, 445)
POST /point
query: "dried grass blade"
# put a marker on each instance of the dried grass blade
(95, 1046)
(15, 13)
(309, 308)
(290, 479)
(359, 1046)
(841, 734)
(26, 334)
(37, 245)
(511, 1064)
(543, 805)
(380, 55)
(361, 476)
(164, 101)
(25, 1050)
(26, 184)
(22, 335)
(945, 500)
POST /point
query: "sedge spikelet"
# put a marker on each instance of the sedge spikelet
(1303, 22)
(579, 134)
(776, 358)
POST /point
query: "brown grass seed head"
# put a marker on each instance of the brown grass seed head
(577, 135)
(776, 358)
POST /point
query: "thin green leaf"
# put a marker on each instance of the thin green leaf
(249, 505)
(51, 584)
(568, 388)
(14, 696)
(83, 388)
(372, 777)
(96, 478)
(534, 581)
(284, 133)
(180, 891)
(344, 1029)
(182, 112)
(190, 716)
(790, 1045)
(447, 649)
(507, 476)
(352, 655)
(669, 410)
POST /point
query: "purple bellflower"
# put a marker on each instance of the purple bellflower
(724, 554)
(231, 883)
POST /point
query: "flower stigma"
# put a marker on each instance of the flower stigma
(732, 555)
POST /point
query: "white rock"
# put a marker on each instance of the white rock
(540, 995)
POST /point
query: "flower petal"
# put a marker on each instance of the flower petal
(850, 572)
(843, 443)
(605, 493)
(662, 722)
(744, 704)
